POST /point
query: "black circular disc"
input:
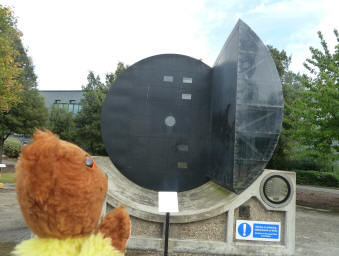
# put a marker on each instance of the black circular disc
(155, 122)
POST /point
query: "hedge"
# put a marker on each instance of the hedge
(327, 179)
(278, 163)
(12, 147)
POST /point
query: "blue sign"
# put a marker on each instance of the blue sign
(266, 231)
(257, 230)
(244, 229)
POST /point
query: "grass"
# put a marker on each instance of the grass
(14, 139)
(7, 178)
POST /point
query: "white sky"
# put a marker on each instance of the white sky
(67, 39)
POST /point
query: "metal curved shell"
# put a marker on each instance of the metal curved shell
(247, 108)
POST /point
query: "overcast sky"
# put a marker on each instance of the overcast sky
(67, 39)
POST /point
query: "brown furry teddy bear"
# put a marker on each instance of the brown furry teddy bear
(61, 192)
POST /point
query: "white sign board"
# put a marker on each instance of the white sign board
(168, 201)
(2, 165)
(258, 230)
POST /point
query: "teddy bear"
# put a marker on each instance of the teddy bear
(61, 191)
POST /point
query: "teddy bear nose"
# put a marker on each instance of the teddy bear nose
(89, 162)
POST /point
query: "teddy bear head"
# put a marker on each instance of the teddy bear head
(59, 188)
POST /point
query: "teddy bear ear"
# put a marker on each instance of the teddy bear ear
(39, 134)
(117, 226)
(42, 142)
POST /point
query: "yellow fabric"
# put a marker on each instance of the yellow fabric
(92, 245)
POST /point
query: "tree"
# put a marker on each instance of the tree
(111, 77)
(281, 61)
(281, 158)
(10, 68)
(61, 122)
(290, 83)
(88, 119)
(316, 118)
(28, 113)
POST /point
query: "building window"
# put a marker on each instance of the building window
(69, 107)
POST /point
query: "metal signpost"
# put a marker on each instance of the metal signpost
(2, 166)
(168, 203)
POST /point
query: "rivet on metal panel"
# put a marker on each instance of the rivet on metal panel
(187, 80)
(186, 96)
(168, 79)
(182, 147)
(170, 121)
(182, 165)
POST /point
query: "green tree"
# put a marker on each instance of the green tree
(30, 112)
(281, 61)
(61, 122)
(316, 118)
(111, 77)
(24, 118)
(88, 119)
(290, 86)
(10, 68)
(281, 158)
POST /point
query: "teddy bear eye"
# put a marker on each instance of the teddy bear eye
(89, 162)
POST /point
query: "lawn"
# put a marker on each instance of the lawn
(7, 177)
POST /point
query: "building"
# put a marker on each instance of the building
(69, 100)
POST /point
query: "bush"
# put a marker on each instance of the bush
(12, 147)
(327, 179)
(278, 163)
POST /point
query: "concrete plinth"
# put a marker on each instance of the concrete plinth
(206, 221)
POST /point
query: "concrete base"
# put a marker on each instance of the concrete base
(206, 220)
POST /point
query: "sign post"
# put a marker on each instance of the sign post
(167, 202)
(1, 166)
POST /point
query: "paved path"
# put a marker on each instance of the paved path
(317, 233)
(320, 189)
(10, 214)
(8, 161)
